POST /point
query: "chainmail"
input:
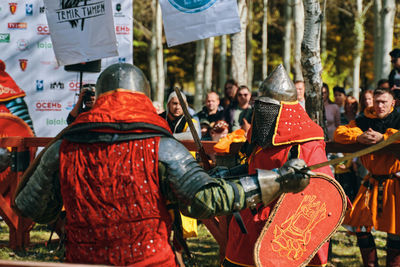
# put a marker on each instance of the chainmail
(264, 123)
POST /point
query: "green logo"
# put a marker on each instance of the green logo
(4, 37)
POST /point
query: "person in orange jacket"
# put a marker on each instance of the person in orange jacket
(377, 204)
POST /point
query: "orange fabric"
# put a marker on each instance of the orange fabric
(240, 246)
(293, 125)
(8, 88)
(122, 106)
(224, 144)
(364, 211)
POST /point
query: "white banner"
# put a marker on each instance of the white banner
(27, 50)
(81, 30)
(191, 20)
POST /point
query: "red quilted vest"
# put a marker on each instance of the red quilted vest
(115, 212)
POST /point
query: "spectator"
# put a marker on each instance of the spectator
(366, 100)
(340, 99)
(219, 130)
(175, 118)
(383, 84)
(210, 113)
(394, 76)
(230, 90)
(332, 113)
(85, 102)
(239, 115)
(300, 88)
(350, 108)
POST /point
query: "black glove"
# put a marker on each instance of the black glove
(293, 176)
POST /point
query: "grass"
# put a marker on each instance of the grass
(204, 248)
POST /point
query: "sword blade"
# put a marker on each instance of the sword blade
(393, 138)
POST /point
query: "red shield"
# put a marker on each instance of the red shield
(23, 63)
(13, 7)
(301, 223)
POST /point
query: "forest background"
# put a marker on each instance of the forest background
(355, 39)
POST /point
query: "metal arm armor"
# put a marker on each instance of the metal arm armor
(183, 172)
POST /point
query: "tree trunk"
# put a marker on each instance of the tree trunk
(358, 49)
(239, 71)
(298, 12)
(199, 74)
(388, 12)
(287, 44)
(208, 68)
(222, 64)
(311, 60)
(153, 51)
(250, 63)
(377, 41)
(264, 49)
(160, 57)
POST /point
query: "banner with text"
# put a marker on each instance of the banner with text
(27, 50)
(190, 20)
(76, 33)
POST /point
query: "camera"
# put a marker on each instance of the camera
(88, 95)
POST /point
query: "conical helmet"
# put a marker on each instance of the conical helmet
(277, 87)
(124, 76)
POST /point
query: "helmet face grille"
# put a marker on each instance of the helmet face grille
(264, 123)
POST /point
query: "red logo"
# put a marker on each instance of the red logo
(17, 25)
(122, 29)
(74, 86)
(23, 63)
(42, 29)
(42, 105)
(13, 7)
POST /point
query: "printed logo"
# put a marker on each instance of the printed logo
(45, 105)
(70, 106)
(4, 37)
(29, 9)
(42, 9)
(56, 122)
(44, 45)
(56, 85)
(73, 86)
(121, 60)
(74, 13)
(23, 63)
(13, 7)
(192, 6)
(42, 29)
(122, 29)
(118, 8)
(22, 44)
(39, 85)
(17, 25)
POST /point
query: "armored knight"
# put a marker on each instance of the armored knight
(115, 168)
(281, 132)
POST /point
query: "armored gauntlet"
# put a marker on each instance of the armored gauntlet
(5, 159)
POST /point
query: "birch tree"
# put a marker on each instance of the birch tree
(359, 46)
(311, 60)
(239, 70)
(298, 15)
(377, 40)
(287, 35)
(222, 63)
(250, 63)
(160, 56)
(199, 74)
(388, 12)
(208, 68)
(153, 51)
(264, 48)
